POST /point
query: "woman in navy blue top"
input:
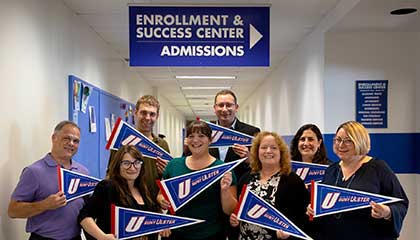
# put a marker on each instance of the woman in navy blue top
(356, 170)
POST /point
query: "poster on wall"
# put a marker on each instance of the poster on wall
(372, 103)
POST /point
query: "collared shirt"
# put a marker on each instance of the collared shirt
(38, 181)
(223, 150)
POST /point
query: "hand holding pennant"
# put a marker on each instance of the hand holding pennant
(309, 171)
(254, 210)
(327, 199)
(181, 189)
(75, 185)
(129, 223)
(222, 136)
(125, 134)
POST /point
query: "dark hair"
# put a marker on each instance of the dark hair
(140, 183)
(199, 127)
(148, 100)
(226, 92)
(320, 156)
(62, 124)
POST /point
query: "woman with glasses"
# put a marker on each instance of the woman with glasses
(308, 146)
(356, 170)
(213, 204)
(124, 187)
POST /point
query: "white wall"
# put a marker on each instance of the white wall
(42, 42)
(171, 123)
(315, 83)
(372, 56)
(376, 56)
(293, 94)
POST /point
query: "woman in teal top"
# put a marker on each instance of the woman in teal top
(213, 204)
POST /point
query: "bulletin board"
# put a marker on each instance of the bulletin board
(95, 111)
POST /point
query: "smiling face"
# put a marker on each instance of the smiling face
(130, 173)
(269, 152)
(225, 109)
(308, 145)
(146, 117)
(65, 143)
(198, 143)
(344, 148)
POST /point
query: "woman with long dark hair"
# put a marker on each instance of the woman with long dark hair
(308, 145)
(126, 186)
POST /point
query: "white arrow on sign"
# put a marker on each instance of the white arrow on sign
(254, 36)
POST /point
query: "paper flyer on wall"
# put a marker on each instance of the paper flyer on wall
(77, 95)
(182, 189)
(86, 92)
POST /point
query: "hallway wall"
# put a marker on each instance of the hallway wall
(42, 43)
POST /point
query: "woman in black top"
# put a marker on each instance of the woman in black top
(271, 178)
(125, 187)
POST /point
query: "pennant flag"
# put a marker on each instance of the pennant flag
(222, 136)
(331, 199)
(129, 223)
(254, 210)
(309, 171)
(181, 189)
(123, 134)
(75, 185)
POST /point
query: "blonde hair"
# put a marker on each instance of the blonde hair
(358, 134)
(285, 165)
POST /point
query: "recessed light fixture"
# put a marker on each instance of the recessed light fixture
(206, 77)
(206, 88)
(197, 96)
(403, 11)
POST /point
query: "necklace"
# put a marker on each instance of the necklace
(350, 180)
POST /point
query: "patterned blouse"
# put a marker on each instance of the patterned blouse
(266, 191)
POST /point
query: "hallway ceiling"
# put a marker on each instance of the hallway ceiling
(290, 22)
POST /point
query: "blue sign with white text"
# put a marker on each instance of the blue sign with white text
(199, 36)
(372, 103)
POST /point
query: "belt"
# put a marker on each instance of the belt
(35, 236)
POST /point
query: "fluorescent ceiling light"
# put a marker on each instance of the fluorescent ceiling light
(205, 77)
(206, 88)
(196, 96)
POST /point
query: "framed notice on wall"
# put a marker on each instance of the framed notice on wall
(372, 103)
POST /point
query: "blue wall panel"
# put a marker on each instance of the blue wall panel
(92, 152)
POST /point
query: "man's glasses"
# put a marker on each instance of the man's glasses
(345, 141)
(127, 163)
(227, 105)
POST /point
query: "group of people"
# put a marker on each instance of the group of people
(267, 171)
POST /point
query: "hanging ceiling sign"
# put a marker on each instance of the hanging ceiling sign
(199, 36)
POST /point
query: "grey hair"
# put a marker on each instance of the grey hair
(61, 124)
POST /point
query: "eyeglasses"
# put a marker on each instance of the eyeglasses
(127, 163)
(345, 141)
(227, 105)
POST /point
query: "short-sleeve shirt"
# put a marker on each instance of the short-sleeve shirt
(206, 205)
(38, 181)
